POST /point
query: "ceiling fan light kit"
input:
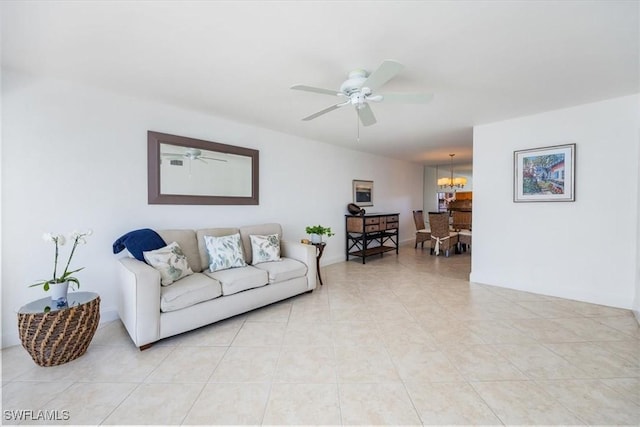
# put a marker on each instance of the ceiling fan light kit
(359, 90)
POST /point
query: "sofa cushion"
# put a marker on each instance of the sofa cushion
(202, 247)
(239, 279)
(284, 269)
(189, 291)
(170, 262)
(262, 230)
(188, 243)
(264, 248)
(224, 252)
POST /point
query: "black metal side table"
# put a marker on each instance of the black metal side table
(319, 250)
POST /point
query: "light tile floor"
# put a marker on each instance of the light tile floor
(400, 340)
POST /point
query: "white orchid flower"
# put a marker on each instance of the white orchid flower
(54, 238)
(80, 237)
(58, 239)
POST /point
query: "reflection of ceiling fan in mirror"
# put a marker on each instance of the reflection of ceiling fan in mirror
(360, 89)
(192, 154)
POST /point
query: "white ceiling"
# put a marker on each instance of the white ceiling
(485, 61)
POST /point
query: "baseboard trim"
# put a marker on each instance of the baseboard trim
(325, 261)
(597, 299)
(9, 340)
(108, 316)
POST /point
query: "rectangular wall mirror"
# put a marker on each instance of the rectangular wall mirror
(187, 171)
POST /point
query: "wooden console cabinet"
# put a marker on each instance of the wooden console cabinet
(371, 234)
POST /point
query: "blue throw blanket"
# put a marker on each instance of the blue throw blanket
(139, 241)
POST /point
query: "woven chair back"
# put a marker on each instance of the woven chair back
(439, 223)
(461, 220)
(418, 218)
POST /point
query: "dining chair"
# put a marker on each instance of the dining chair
(442, 238)
(423, 233)
(464, 239)
(461, 222)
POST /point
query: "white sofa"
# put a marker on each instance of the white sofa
(151, 312)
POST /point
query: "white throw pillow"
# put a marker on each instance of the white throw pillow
(170, 261)
(265, 248)
(224, 252)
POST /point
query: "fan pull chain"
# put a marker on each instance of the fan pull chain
(358, 124)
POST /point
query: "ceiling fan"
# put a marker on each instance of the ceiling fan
(193, 154)
(359, 90)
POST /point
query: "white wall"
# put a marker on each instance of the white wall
(430, 190)
(636, 305)
(74, 157)
(2, 180)
(584, 250)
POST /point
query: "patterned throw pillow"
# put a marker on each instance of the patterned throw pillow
(170, 261)
(224, 252)
(265, 248)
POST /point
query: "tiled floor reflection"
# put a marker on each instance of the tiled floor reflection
(401, 340)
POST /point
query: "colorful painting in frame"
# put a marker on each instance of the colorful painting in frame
(362, 192)
(545, 174)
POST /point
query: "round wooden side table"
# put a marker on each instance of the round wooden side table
(319, 249)
(56, 335)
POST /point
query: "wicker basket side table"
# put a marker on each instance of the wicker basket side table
(55, 336)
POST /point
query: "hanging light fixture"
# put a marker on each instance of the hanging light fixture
(451, 182)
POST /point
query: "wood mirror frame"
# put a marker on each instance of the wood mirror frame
(155, 195)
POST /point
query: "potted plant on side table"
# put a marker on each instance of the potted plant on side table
(59, 285)
(317, 231)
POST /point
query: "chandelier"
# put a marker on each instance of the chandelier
(451, 182)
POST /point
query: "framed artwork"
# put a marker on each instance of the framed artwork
(362, 192)
(545, 174)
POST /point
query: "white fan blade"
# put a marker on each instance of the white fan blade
(315, 89)
(173, 154)
(325, 111)
(385, 72)
(212, 158)
(200, 160)
(408, 98)
(366, 115)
